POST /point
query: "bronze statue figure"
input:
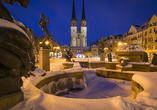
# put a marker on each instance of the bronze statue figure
(43, 24)
(16, 51)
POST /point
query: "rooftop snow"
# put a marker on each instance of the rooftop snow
(130, 48)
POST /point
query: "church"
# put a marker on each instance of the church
(78, 45)
(78, 36)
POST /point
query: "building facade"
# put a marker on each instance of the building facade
(144, 35)
(78, 36)
(110, 44)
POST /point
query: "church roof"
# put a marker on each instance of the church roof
(73, 12)
(83, 12)
(94, 45)
(65, 45)
(80, 48)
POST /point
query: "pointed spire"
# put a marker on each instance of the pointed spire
(83, 12)
(73, 12)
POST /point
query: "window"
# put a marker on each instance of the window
(155, 46)
(154, 29)
(145, 33)
(110, 41)
(94, 49)
(150, 47)
(150, 30)
(64, 49)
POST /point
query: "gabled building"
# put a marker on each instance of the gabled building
(144, 35)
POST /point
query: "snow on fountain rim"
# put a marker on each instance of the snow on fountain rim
(130, 48)
(38, 72)
(147, 81)
(8, 24)
(36, 99)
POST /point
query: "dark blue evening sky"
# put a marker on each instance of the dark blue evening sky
(104, 17)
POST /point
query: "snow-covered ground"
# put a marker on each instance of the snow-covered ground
(98, 87)
(99, 94)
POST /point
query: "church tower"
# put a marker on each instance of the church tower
(73, 28)
(78, 36)
(83, 28)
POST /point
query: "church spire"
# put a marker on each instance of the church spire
(83, 12)
(73, 12)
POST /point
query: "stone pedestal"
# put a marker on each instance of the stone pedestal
(44, 59)
(102, 56)
(10, 100)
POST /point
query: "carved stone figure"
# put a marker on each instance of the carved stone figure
(109, 57)
(145, 57)
(16, 51)
(154, 60)
(123, 61)
(68, 56)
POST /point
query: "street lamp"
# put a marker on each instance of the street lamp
(46, 42)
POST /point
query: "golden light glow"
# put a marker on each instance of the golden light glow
(119, 43)
(125, 43)
(105, 48)
(56, 47)
(47, 42)
(40, 42)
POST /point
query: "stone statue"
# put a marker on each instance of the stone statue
(16, 51)
(68, 56)
(154, 60)
(109, 57)
(123, 61)
(145, 57)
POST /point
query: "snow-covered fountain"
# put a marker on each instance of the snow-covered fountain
(95, 93)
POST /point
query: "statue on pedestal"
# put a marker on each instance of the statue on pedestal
(43, 24)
